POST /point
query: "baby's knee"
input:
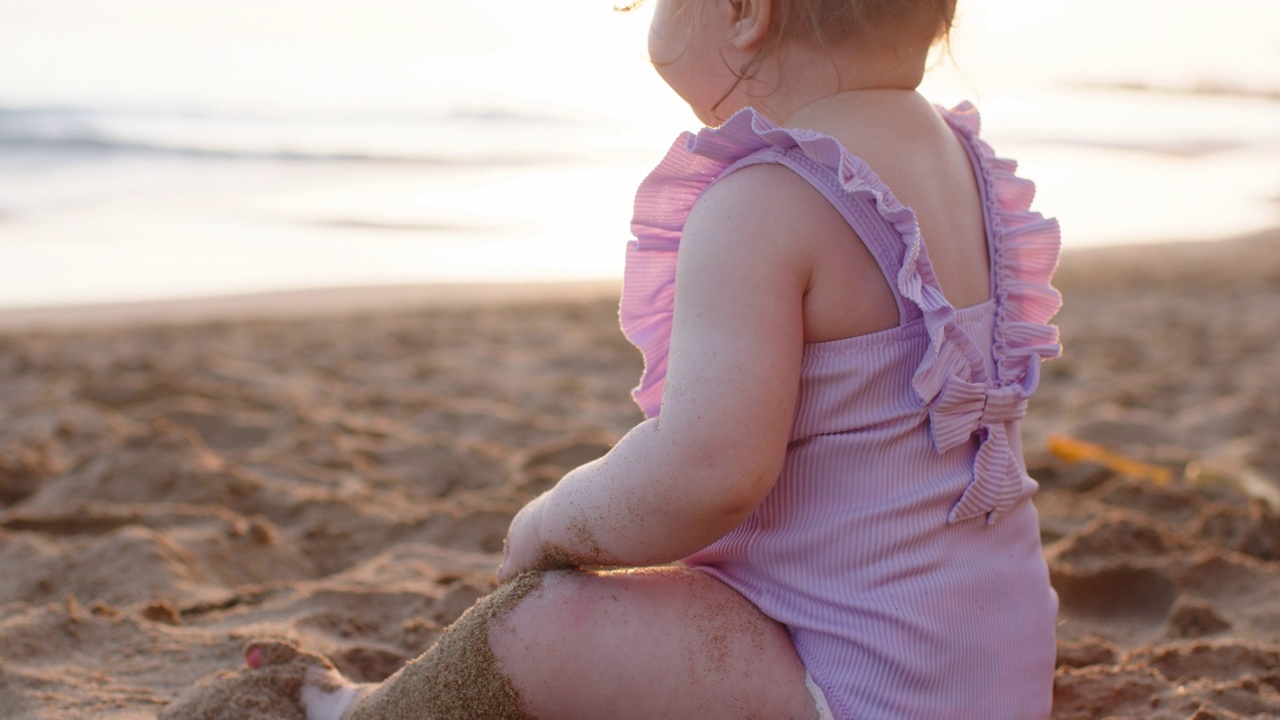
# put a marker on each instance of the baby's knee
(539, 635)
(542, 607)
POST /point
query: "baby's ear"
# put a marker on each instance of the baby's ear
(752, 26)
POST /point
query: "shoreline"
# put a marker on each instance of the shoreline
(1251, 260)
(298, 304)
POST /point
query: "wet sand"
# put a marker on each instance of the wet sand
(338, 470)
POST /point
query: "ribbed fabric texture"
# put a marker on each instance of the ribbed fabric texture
(899, 545)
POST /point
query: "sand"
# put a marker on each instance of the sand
(338, 472)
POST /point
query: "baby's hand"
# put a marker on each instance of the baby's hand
(522, 550)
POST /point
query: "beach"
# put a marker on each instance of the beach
(337, 469)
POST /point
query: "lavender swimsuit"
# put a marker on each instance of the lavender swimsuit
(899, 545)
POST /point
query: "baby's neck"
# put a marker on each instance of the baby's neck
(828, 113)
(803, 79)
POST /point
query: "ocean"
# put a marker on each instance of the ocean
(154, 149)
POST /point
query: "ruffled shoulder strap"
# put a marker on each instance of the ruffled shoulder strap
(951, 379)
(1026, 247)
(668, 194)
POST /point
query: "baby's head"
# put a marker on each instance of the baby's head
(746, 35)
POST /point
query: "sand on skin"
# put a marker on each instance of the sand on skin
(172, 488)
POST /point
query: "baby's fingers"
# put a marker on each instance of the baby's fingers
(504, 573)
(522, 548)
(519, 558)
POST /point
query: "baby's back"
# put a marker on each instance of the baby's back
(914, 152)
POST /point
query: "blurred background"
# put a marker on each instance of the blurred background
(154, 149)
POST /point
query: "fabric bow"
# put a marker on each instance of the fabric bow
(964, 408)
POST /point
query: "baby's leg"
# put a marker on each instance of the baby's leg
(665, 642)
(661, 642)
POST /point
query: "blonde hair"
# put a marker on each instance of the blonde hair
(834, 21)
(829, 23)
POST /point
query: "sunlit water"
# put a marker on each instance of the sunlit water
(168, 148)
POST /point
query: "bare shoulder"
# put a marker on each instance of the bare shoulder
(783, 236)
(766, 214)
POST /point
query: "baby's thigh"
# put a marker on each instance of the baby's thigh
(661, 642)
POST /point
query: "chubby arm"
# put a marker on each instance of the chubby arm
(676, 483)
